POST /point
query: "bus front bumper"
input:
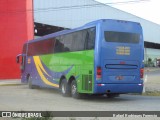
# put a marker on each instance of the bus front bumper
(118, 88)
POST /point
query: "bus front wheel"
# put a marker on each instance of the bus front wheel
(30, 83)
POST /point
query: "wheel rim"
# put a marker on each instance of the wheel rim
(74, 88)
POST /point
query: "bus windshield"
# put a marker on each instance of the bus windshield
(121, 37)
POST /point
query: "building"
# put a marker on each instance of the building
(16, 28)
(55, 15)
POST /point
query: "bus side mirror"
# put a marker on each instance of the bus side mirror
(18, 58)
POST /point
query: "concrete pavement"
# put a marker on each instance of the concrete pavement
(10, 82)
(151, 69)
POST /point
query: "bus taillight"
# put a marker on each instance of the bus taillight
(99, 73)
(141, 72)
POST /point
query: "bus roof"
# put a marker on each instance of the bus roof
(90, 24)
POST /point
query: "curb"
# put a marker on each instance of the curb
(151, 70)
(151, 93)
(12, 84)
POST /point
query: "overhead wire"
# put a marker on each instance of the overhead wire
(72, 7)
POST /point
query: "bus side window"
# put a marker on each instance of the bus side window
(59, 45)
(68, 39)
(78, 41)
(89, 35)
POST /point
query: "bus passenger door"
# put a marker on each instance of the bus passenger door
(21, 58)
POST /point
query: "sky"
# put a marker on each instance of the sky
(147, 9)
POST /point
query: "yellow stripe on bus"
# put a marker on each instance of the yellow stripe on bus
(39, 68)
(37, 58)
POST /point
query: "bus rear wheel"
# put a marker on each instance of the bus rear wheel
(64, 87)
(74, 92)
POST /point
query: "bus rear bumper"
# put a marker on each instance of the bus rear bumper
(118, 88)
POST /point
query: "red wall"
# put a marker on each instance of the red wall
(16, 27)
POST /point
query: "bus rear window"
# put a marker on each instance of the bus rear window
(121, 37)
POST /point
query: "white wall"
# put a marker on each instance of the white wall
(59, 13)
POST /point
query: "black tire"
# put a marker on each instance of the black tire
(74, 92)
(64, 87)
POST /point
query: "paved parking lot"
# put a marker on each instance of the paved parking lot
(152, 83)
(22, 98)
(14, 96)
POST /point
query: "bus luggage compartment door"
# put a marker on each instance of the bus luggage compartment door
(120, 71)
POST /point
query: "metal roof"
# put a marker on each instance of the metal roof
(75, 13)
